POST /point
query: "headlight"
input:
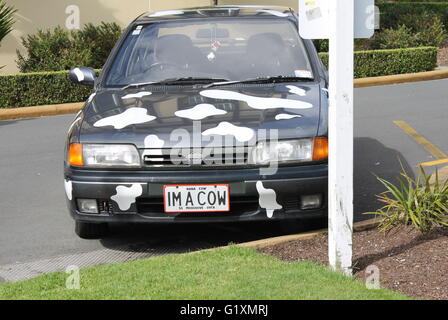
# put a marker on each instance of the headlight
(302, 150)
(104, 155)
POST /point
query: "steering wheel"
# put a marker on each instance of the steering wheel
(161, 65)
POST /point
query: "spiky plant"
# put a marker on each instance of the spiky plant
(421, 203)
(6, 19)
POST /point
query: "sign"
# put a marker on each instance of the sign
(314, 18)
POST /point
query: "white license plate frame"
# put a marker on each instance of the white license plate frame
(196, 191)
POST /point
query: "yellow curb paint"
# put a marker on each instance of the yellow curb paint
(442, 174)
(357, 227)
(401, 78)
(428, 146)
(434, 163)
(40, 111)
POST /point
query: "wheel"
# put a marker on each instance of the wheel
(87, 230)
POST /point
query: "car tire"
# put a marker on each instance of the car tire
(86, 230)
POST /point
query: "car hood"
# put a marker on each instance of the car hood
(175, 116)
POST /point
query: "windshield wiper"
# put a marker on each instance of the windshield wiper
(173, 81)
(274, 79)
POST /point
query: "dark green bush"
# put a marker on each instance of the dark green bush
(428, 28)
(321, 45)
(374, 63)
(59, 49)
(403, 37)
(30, 89)
(418, 1)
(100, 40)
(392, 13)
(52, 51)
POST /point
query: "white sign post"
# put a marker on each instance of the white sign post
(340, 21)
(340, 131)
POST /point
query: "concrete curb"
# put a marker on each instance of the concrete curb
(59, 109)
(357, 227)
(401, 78)
(40, 111)
(443, 175)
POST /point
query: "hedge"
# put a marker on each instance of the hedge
(373, 63)
(40, 88)
(392, 11)
(419, 0)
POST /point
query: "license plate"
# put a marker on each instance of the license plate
(196, 198)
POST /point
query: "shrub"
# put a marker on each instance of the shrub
(100, 40)
(416, 30)
(59, 49)
(374, 63)
(321, 45)
(419, 0)
(392, 13)
(428, 28)
(52, 51)
(403, 37)
(418, 203)
(29, 89)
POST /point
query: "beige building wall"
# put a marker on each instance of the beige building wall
(43, 14)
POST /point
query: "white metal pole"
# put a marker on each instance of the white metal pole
(340, 179)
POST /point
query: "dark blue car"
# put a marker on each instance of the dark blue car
(213, 114)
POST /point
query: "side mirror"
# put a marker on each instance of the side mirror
(83, 76)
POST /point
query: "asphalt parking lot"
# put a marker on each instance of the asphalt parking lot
(35, 225)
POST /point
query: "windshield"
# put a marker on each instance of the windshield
(226, 49)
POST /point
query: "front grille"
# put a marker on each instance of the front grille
(238, 206)
(105, 207)
(208, 157)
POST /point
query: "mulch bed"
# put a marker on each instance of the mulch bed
(409, 262)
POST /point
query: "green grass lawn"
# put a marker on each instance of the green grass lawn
(230, 273)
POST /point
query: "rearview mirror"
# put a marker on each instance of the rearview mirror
(83, 76)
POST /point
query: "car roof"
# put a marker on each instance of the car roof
(215, 11)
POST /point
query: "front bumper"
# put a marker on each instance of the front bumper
(289, 184)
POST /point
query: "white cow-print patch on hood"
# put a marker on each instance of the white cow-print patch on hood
(153, 142)
(256, 102)
(296, 90)
(242, 134)
(129, 117)
(200, 112)
(285, 116)
(137, 95)
(68, 189)
(268, 199)
(126, 196)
